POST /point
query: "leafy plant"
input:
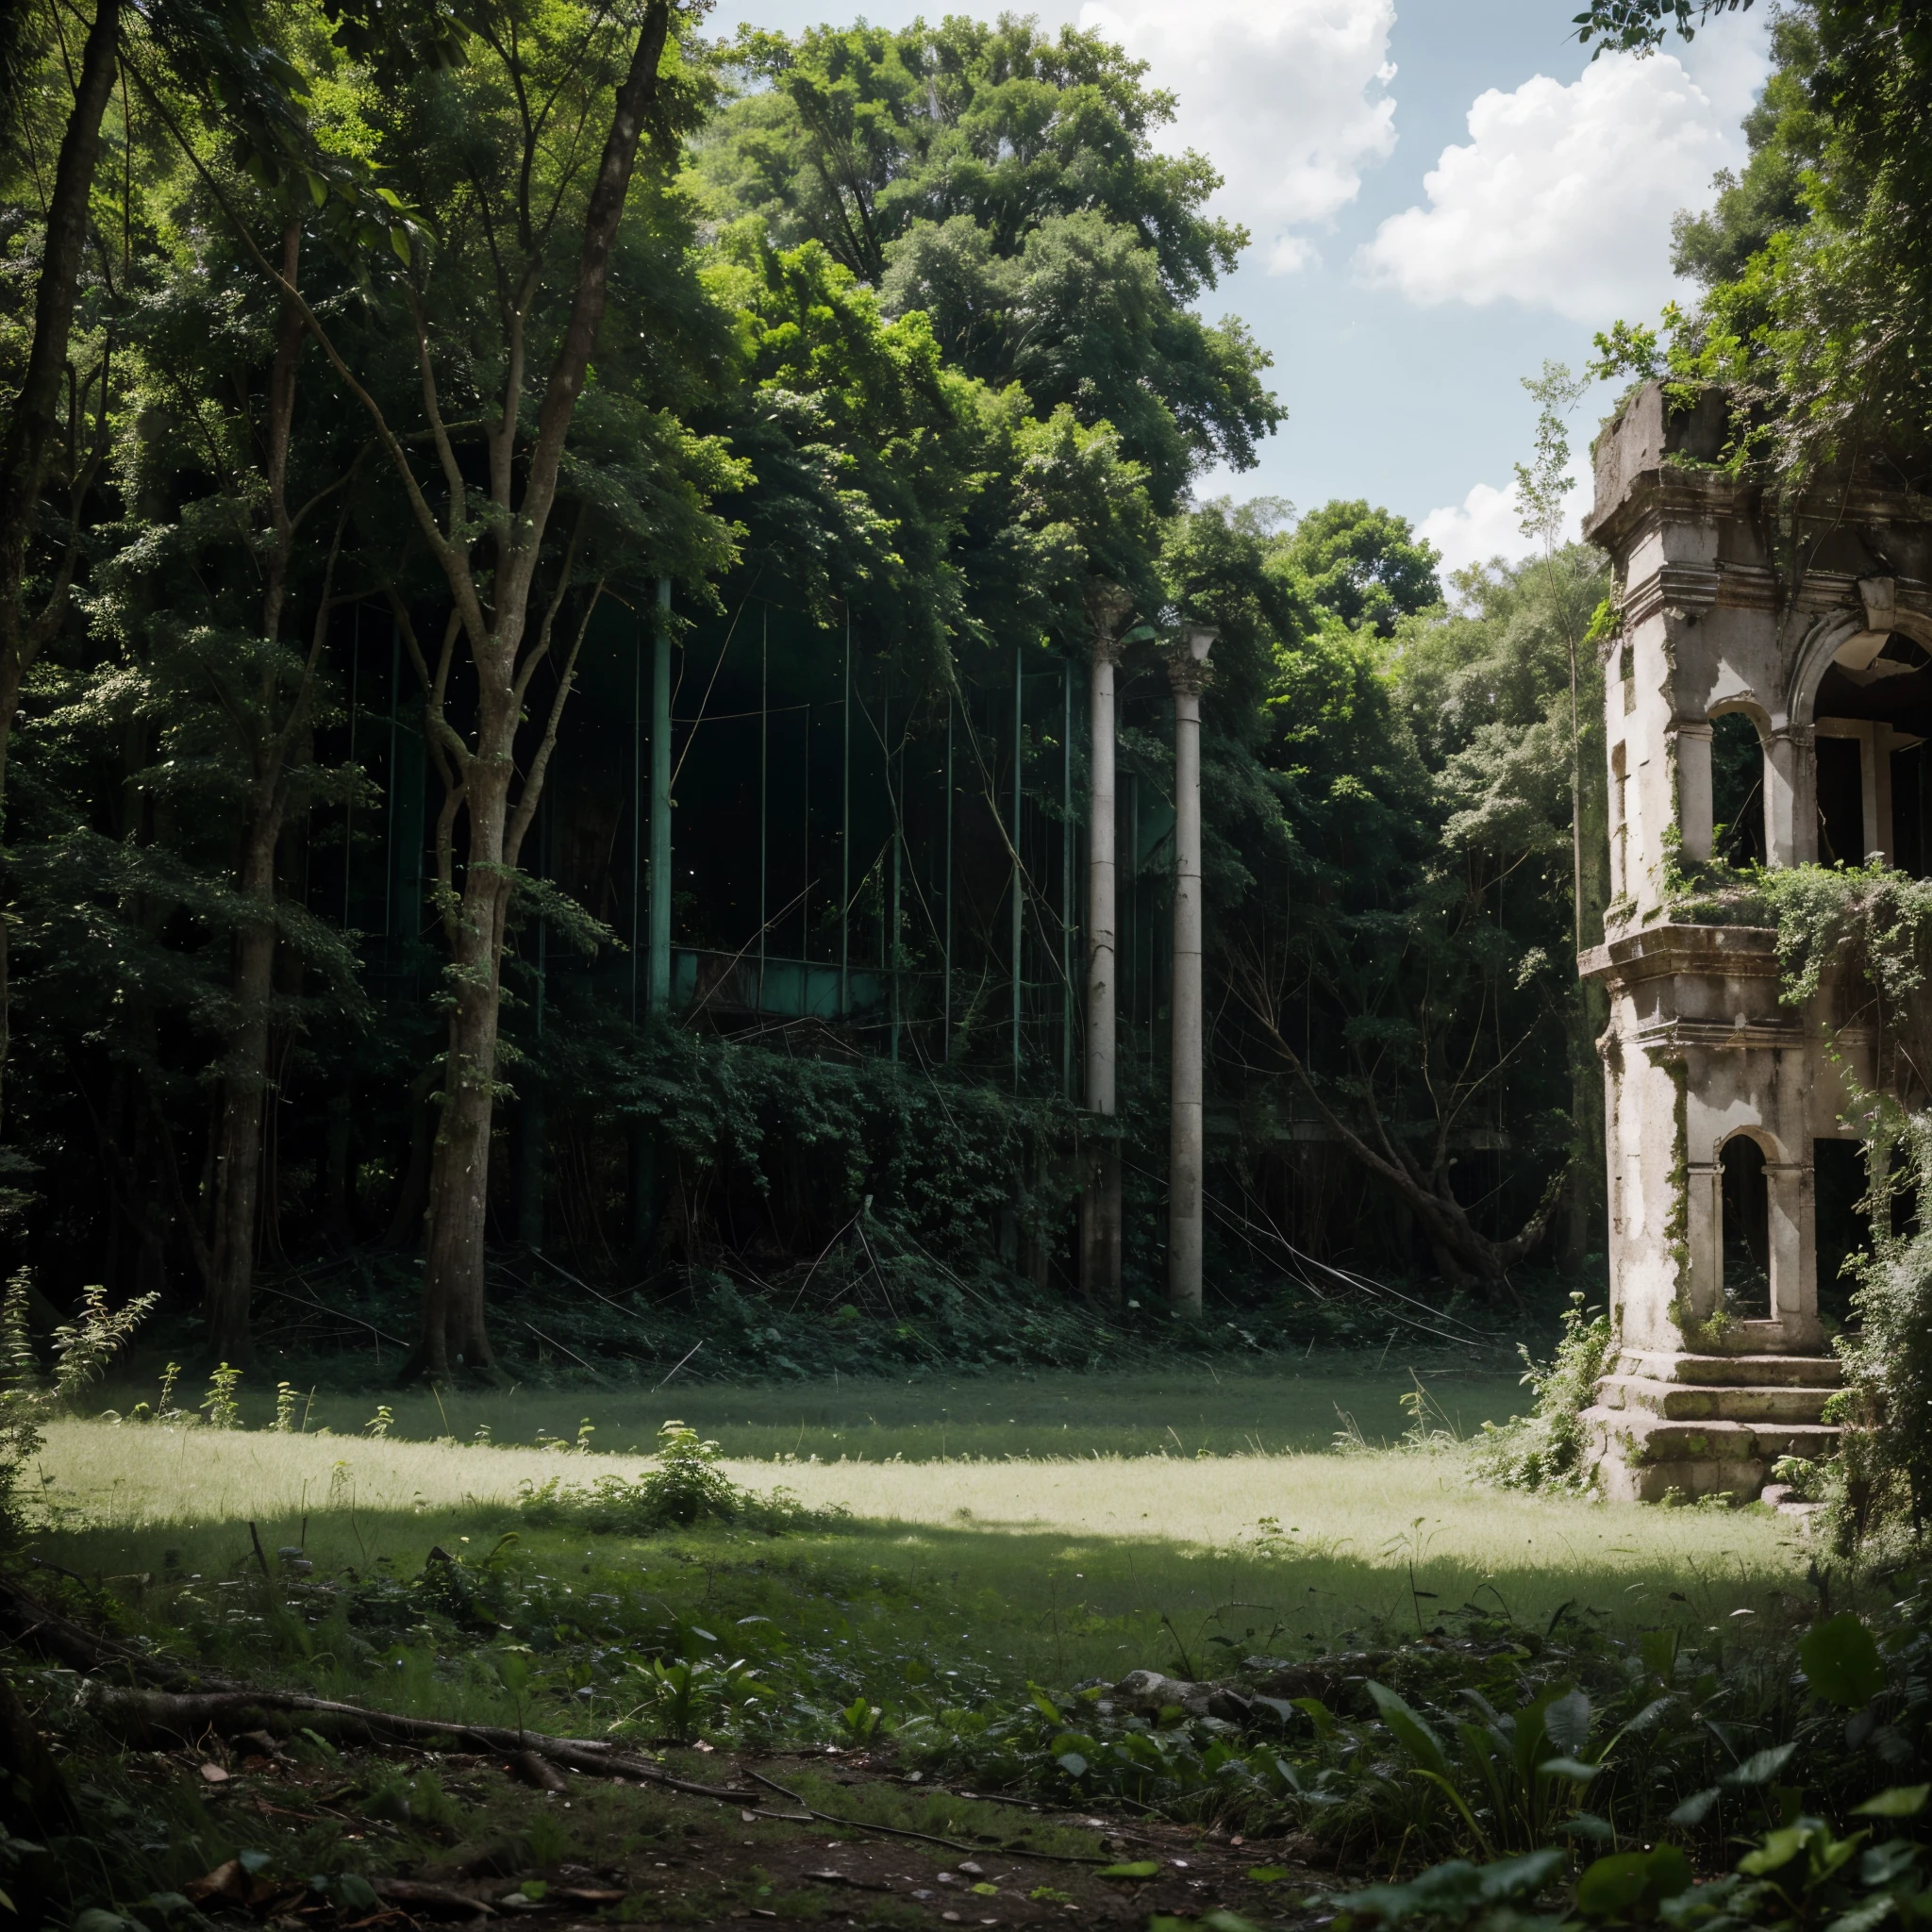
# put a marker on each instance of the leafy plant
(1522, 1770)
(220, 1407)
(84, 1346)
(675, 1698)
(686, 1488)
(1545, 1448)
(20, 1368)
(1456, 1893)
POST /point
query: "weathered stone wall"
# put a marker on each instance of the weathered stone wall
(1728, 608)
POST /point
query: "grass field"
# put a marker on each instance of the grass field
(1033, 1565)
(941, 1565)
(1266, 1407)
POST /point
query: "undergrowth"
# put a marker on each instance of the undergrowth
(686, 1488)
(1546, 1449)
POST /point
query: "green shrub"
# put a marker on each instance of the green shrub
(1544, 1449)
(686, 1488)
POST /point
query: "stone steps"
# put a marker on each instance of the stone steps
(1705, 1424)
(1642, 1455)
(1713, 1402)
(1731, 1371)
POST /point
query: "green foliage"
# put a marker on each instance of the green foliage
(1840, 1661)
(20, 1367)
(220, 1407)
(1545, 1448)
(1365, 565)
(1784, 135)
(1458, 1893)
(1544, 481)
(677, 1699)
(1006, 184)
(687, 1487)
(84, 1346)
(1815, 277)
(1517, 1774)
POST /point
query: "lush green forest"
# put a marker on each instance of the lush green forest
(554, 575)
(376, 429)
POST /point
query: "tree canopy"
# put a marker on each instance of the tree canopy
(1005, 184)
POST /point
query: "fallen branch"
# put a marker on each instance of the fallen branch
(142, 1712)
(141, 1715)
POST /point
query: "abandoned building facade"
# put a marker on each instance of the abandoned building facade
(1767, 696)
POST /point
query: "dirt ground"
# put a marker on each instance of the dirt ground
(896, 1850)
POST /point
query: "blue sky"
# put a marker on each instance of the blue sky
(1442, 193)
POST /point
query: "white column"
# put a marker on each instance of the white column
(1693, 789)
(1187, 672)
(1790, 797)
(1100, 1206)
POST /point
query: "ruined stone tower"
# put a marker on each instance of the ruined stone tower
(1775, 689)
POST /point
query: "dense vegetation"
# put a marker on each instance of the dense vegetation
(389, 363)
(385, 385)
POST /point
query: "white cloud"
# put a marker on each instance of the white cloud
(1286, 97)
(1562, 198)
(1486, 524)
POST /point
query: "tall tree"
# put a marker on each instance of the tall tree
(1005, 183)
(32, 442)
(530, 210)
(1365, 565)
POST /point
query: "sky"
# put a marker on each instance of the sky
(1442, 196)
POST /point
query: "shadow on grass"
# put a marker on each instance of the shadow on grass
(905, 1614)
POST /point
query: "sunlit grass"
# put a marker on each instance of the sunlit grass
(1034, 1568)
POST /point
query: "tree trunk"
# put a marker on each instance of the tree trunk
(245, 1075)
(244, 1084)
(34, 422)
(453, 1331)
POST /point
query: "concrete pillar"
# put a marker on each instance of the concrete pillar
(1100, 1204)
(1884, 741)
(1790, 797)
(1792, 1217)
(1872, 800)
(1693, 789)
(1700, 1269)
(1187, 667)
(660, 804)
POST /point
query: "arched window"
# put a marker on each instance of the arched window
(1737, 790)
(1746, 1212)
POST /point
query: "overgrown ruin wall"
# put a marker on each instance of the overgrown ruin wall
(1816, 630)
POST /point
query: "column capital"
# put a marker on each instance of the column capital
(1105, 649)
(1188, 678)
(1109, 607)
